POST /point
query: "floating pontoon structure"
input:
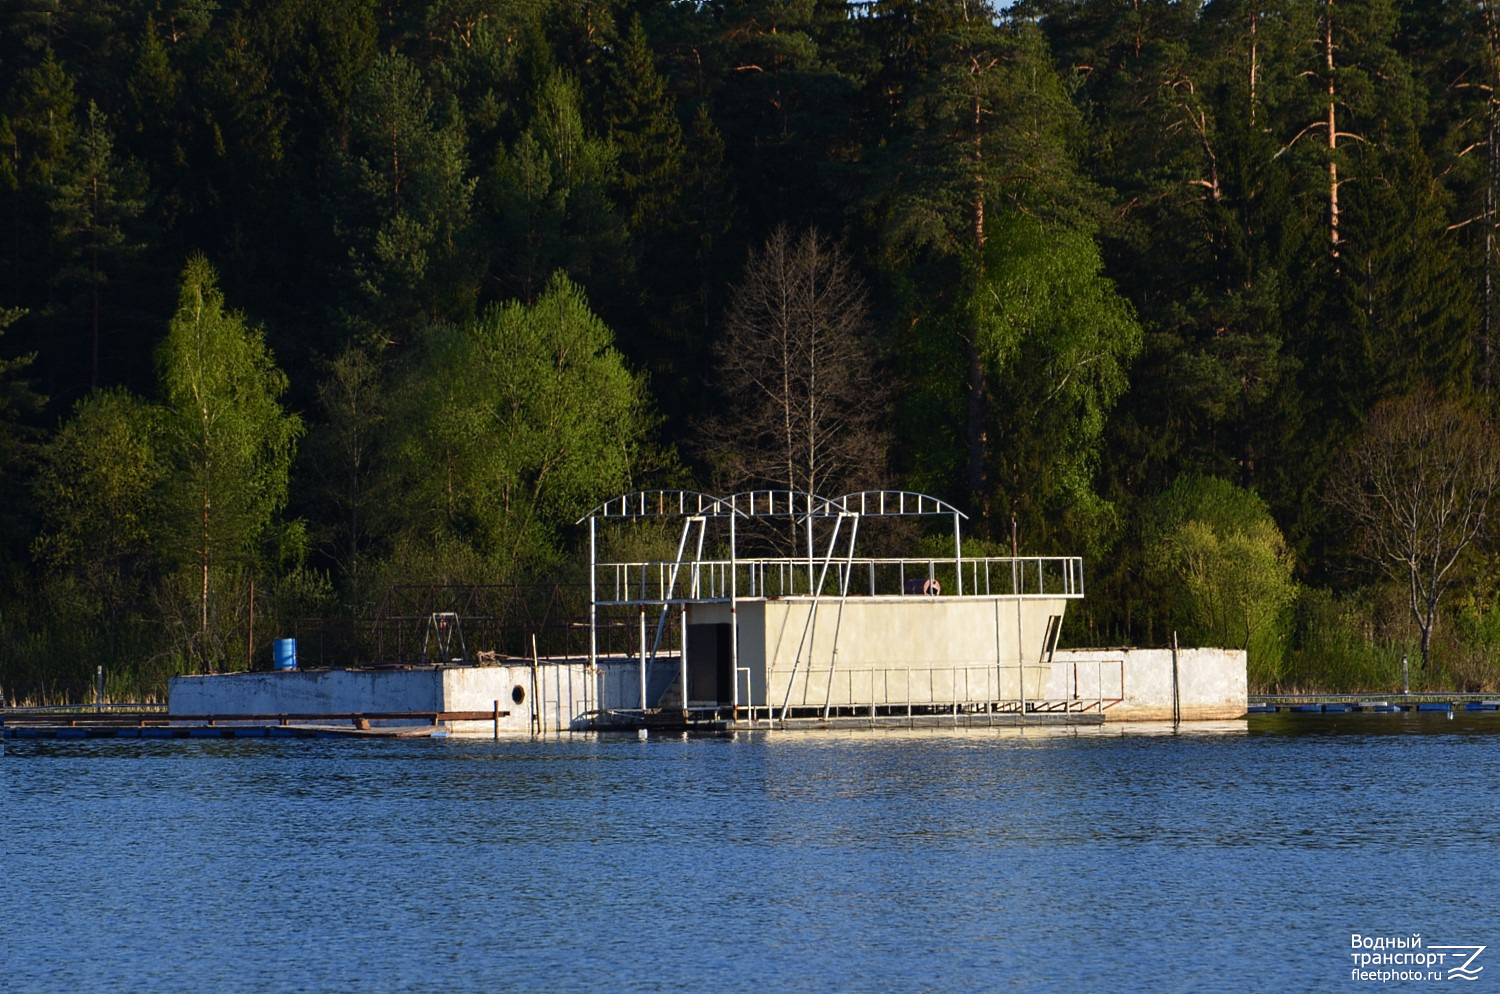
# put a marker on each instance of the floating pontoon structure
(737, 640)
(768, 615)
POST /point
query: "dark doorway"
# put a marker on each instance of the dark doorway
(710, 664)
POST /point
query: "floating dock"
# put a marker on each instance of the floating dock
(770, 616)
(158, 724)
(1369, 703)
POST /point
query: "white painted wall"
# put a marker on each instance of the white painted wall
(1211, 683)
(557, 698)
(307, 692)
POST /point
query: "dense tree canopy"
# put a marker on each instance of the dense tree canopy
(475, 248)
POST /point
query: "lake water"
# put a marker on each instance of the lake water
(1237, 857)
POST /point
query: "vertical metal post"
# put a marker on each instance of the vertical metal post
(999, 655)
(811, 554)
(1176, 692)
(683, 662)
(538, 718)
(734, 626)
(643, 660)
(958, 553)
(593, 592)
(99, 689)
(1015, 586)
(1405, 681)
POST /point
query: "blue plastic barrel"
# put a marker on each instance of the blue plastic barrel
(284, 654)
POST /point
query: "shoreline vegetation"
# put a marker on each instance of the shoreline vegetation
(318, 313)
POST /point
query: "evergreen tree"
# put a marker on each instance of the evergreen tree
(647, 137)
(19, 405)
(92, 208)
(551, 197)
(343, 461)
(405, 214)
(40, 112)
(988, 129)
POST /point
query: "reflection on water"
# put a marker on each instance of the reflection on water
(1225, 856)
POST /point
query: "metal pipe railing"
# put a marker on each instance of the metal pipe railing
(1024, 576)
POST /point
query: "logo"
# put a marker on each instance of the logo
(1402, 957)
(1465, 970)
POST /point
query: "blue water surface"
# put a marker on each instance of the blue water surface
(1237, 857)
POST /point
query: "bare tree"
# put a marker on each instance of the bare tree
(1418, 484)
(799, 399)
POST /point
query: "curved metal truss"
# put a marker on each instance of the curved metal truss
(771, 504)
(661, 504)
(894, 503)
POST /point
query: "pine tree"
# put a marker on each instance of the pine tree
(405, 213)
(647, 137)
(92, 208)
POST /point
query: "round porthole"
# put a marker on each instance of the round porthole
(519, 694)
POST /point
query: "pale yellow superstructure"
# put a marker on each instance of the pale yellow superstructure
(803, 653)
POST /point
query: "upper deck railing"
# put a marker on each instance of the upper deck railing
(667, 582)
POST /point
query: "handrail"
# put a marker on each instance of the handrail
(650, 582)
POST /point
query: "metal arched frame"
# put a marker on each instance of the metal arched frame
(691, 506)
(697, 507)
(907, 503)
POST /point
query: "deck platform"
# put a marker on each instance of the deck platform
(52, 724)
(713, 720)
(1369, 703)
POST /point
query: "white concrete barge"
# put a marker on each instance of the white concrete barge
(716, 639)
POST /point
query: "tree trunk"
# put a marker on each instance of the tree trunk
(203, 597)
(94, 292)
(1333, 133)
(978, 406)
(1492, 223)
(1254, 61)
(1487, 326)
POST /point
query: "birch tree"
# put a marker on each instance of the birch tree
(797, 375)
(228, 442)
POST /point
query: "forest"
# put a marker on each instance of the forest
(306, 301)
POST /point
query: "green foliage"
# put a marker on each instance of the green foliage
(227, 445)
(1335, 650)
(19, 403)
(507, 430)
(551, 195)
(1057, 340)
(646, 132)
(97, 486)
(1223, 569)
(408, 221)
(18, 400)
(344, 455)
(1098, 237)
(95, 201)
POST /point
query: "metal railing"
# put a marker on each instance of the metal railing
(665, 581)
(967, 688)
